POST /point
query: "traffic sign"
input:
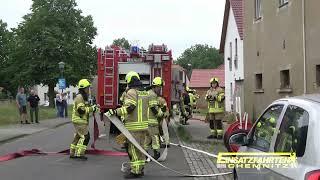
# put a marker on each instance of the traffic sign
(62, 83)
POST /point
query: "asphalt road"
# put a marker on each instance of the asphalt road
(60, 167)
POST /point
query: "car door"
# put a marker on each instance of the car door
(292, 137)
(261, 139)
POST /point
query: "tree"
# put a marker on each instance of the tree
(6, 40)
(122, 42)
(200, 57)
(54, 31)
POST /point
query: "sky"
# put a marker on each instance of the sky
(177, 23)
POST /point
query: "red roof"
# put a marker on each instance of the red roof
(237, 8)
(221, 67)
(201, 77)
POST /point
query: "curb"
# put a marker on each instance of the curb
(18, 136)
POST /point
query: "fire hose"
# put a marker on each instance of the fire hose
(129, 136)
(93, 151)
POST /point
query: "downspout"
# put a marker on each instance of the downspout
(304, 49)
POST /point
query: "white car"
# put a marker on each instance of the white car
(295, 128)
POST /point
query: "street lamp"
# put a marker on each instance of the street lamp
(189, 70)
(61, 67)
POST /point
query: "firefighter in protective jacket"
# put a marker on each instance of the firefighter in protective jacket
(135, 109)
(186, 111)
(153, 136)
(215, 98)
(80, 120)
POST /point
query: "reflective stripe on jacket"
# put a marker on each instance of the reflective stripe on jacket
(79, 103)
(215, 98)
(138, 118)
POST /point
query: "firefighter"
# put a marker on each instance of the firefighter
(195, 97)
(182, 109)
(153, 136)
(192, 102)
(80, 120)
(185, 106)
(135, 108)
(215, 98)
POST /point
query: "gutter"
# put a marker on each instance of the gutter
(304, 49)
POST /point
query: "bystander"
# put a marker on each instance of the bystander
(33, 100)
(21, 100)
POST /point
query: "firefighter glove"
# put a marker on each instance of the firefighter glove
(95, 108)
(110, 113)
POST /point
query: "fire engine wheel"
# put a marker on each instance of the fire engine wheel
(226, 139)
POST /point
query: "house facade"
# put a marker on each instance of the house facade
(42, 92)
(281, 51)
(179, 77)
(231, 45)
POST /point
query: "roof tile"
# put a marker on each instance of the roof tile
(237, 7)
(201, 77)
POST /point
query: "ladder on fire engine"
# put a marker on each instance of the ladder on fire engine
(109, 77)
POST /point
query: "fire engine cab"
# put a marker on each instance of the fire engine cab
(115, 62)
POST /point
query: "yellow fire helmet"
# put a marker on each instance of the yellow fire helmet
(83, 83)
(130, 75)
(212, 80)
(157, 81)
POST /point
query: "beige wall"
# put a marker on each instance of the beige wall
(267, 36)
(312, 43)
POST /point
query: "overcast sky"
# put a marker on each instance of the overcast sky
(177, 23)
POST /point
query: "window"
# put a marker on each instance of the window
(283, 2)
(236, 54)
(45, 97)
(318, 75)
(257, 9)
(285, 79)
(258, 81)
(180, 75)
(265, 128)
(74, 95)
(236, 46)
(293, 131)
(230, 57)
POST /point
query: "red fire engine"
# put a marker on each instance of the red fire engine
(115, 62)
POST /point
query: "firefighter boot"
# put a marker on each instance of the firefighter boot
(219, 133)
(81, 149)
(132, 176)
(164, 146)
(72, 151)
(213, 134)
(83, 158)
(156, 154)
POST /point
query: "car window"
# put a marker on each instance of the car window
(292, 135)
(265, 128)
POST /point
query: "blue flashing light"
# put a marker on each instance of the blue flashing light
(135, 49)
